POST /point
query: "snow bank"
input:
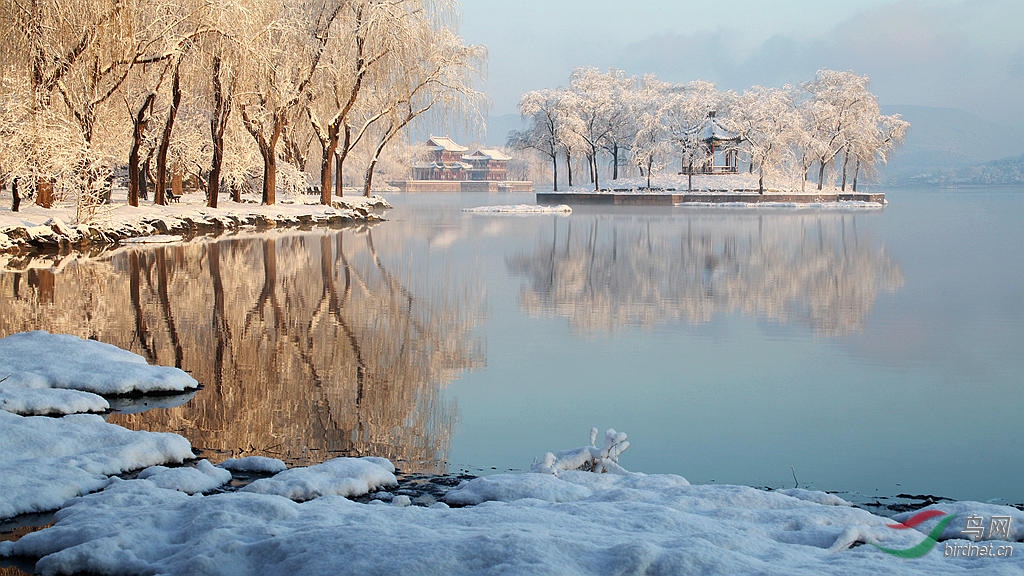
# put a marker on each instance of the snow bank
(520, 209)
(340, 477)
(39, 360)
(616, 524)
(46, 461)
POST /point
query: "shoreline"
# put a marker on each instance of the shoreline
(36, 230)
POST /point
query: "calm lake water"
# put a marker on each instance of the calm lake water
(868, 351)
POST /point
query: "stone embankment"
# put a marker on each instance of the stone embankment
(36, 231)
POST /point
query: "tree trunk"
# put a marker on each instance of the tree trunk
(269, 175)
(15, 196)
(689, 177)
(568, 166)
(846, 160)
(134, 161)
(554, 168)
(326, 160)
(218, 123)
(176, 182)
(821, 174)
(856, 173)
(165, 138)
(760, 181)
(615, 161)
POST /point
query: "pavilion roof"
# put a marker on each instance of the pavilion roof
(445, 143)
(713, 131)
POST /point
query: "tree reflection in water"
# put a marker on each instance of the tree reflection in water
(603, 272)
(308, 346)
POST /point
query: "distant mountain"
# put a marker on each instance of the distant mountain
(1003, 171)
(945, 140)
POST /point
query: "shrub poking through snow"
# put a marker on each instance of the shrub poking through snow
(588, 458)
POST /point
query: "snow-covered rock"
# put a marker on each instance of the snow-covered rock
(205, 477)
(346, 477)
(260, 464)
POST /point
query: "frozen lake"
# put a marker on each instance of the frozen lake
(871, 352)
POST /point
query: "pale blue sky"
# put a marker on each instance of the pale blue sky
(965, 54)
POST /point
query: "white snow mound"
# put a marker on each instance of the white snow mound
(42, 360)
(346, 477)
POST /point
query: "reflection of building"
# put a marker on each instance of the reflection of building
(445, 166)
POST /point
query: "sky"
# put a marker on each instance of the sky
(966, 54)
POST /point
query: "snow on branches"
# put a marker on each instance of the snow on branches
(830, 127)
(217, 93)
(588, 458)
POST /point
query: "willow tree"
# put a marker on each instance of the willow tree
(438, 74)
(45, 45)
(288, 40)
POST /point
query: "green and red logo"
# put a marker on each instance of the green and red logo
(929, 541)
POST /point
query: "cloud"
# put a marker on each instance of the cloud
(964, 55)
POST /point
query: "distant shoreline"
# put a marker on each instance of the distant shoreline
(673, 197)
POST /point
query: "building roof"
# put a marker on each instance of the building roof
(488, 154)
(445, 143)
(712, 130)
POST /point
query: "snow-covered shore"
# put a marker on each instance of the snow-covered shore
(35, 228)
(564, 517)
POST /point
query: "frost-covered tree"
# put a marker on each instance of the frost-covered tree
(547, 113)
(600, 110)
(651, 144)
(840, 100)
(764, 118)
(685, 114)
(438, 74)
(288, 40)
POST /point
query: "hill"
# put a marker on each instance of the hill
(946, 140)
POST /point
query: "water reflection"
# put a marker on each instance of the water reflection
(603, 272)
(308, 345)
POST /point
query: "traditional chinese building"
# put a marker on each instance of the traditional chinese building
(445, 166)
(442, 161)
(721, 145)
(487, 164)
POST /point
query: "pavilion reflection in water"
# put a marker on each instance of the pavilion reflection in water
(604, 272)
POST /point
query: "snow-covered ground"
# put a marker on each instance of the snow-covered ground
(565, 517)
(116, 222)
